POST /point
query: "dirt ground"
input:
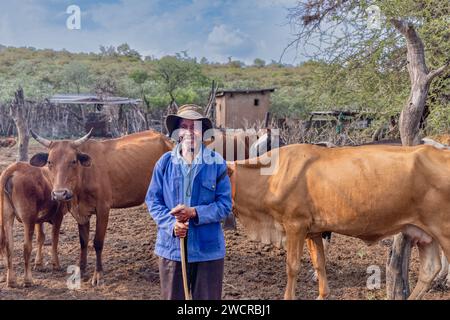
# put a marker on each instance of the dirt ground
(252, 270)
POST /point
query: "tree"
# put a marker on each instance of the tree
(259, 63)
(108, 51)
(342, 32)
(125, 50)
(140, 77)
(18, 112)
(174, 73)
(76, 74)
(105, 85)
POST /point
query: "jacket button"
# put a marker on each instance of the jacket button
(213, 186)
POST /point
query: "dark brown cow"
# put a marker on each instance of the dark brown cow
(25, 196)
(96, 176)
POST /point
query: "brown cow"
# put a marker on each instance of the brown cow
(25, 196)
(96, 176)
(368, 192)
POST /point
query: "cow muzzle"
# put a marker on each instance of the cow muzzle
(62, 195)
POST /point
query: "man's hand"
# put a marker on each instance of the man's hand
(181, 228)
(183, 213)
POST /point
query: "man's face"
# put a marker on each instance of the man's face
(190, 133)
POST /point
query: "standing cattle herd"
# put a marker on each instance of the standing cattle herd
(367, 192)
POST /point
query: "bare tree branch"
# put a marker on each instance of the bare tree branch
(437, 72)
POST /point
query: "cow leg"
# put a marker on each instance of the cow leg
(100, 232)
(27, 248)
(55, 239)
(40, 239)
(83, 230)
(5, 263)
(442, 278)
(326, 237)
(295, 238)
(430, 264)
(316, 251)
(8, 216)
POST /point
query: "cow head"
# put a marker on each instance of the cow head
(64, 162)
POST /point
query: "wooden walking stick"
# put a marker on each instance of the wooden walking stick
(187, 294)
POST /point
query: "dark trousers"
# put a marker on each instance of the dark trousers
(204, 279)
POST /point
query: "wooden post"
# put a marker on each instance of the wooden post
(397, 267)
(18, 110)
(266, 120)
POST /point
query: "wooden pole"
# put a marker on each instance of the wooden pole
(18, 115)
(187, 294)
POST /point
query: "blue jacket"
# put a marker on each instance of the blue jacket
(211, 197)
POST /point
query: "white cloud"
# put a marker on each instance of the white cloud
(215, 29)
(222, 37)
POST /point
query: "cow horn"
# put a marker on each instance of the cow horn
(43, 141)
(80, 141)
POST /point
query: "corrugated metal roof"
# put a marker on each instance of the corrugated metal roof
(244, 91)
(90, 99)
(335, 113)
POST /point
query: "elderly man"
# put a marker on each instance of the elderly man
(188, 197)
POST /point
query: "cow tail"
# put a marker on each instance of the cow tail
(3, 180)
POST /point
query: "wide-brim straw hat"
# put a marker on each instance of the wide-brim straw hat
(189, 112)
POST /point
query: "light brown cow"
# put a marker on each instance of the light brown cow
(25, 196)
(96, 176)
(368, 192)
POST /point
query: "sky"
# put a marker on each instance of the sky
(215, 29)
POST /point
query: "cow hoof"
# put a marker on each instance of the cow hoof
(28, 283)
(97, 279)
(11, 284)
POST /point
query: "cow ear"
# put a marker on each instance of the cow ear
(39, 160)
(85, 160)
